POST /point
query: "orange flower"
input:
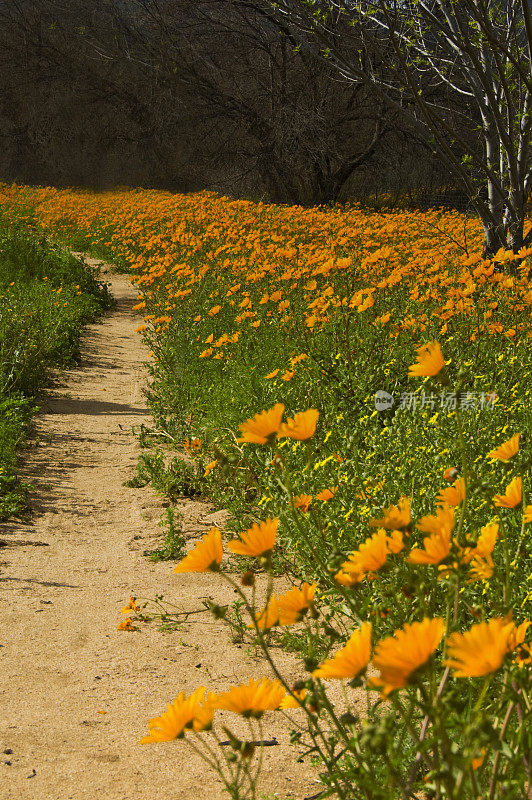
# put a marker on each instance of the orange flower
(194, 712)
(527, 515)
(294, 700)
(257, 541)
(436, 548)
(301, 427)
(131, 606)
(480, 650)
(126, 625)
(395, 542)
(263, 427)
(443, 520)
(400, 655)
(295, 603)
(302, 502)
(452, 495)
(251, 699)
(506, 450)
(430, 360)
(271, 374)
(512, 497)
(209, 468)
(352, 659)
(370, 556)
(327, 494)
(268, 617)
(395, 517)
(351, 578)
(207, 555)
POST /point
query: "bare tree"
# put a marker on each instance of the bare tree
(460, 72)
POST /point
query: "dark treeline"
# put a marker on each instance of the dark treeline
(192, 94)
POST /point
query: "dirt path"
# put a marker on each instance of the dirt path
(76, 694)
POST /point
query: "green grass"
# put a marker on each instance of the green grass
(46, 296)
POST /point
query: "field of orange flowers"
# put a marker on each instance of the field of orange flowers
(384, 369)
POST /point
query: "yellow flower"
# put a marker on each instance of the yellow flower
(301, 427)
(194, 712)
(263, 427)
(506, 450)
(452, 495)
(370, 556)
(398, 656)
(351, 659)
(512, 497)
(302, 502)
(430, 360)
(395, 517)
(257, 541)
(527, 515)
(295, 603)
(251, 699)
(207, 555)
(480, 650)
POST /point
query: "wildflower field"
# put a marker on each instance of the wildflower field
(354, 386)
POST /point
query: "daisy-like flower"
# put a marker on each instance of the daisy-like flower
(207, 555)
(512, 496)
(126, 625)
(430, 360)
(481, 569)
(349, 579)
(398, 656)
(185, 713)
(370, 556)
(257, 541)
(327, 494)
(251, 699)
(302, 502)
(435, 549)
(294, 700)
(527, 515)
(480, 650)
(131, 606)
(269, 616)
(452, 495)
(301, 427)
(442, 520)
(506, 450)
(517, 635)
(263, 427)
(295, 603)
(395, 517)
(395, 542)
(351, 659)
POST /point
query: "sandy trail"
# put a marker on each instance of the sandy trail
(63, 581)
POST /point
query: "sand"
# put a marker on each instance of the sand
(76, 693)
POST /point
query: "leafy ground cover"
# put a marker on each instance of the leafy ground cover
(46, 296)
(384, 369)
